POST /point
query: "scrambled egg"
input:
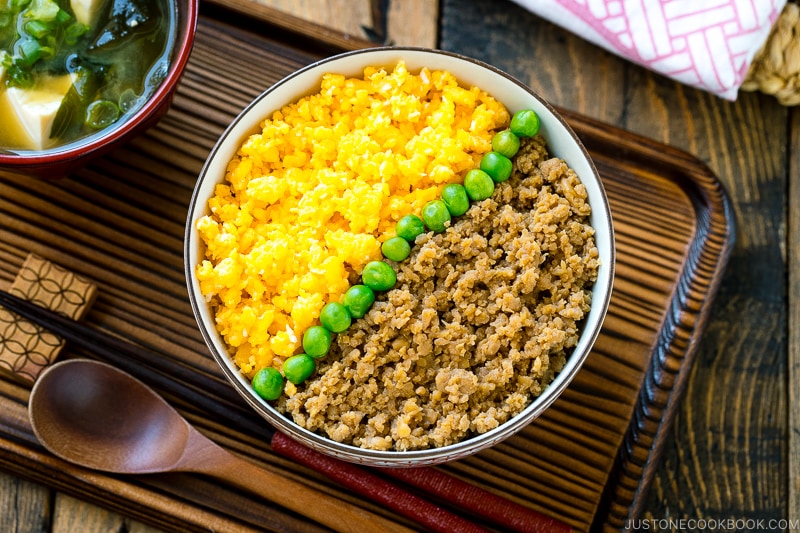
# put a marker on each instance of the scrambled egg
(308, 201)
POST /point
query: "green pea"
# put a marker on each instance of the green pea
(298, 368)
(317, 341)
(268, 383)
(410, 227)
(498, 166)
(505, 143)
(436, 215)
(378, 276)
(396, 248)
(479, 185)
(454, 196)
(335, 317)
(358, 299)
(525, 123)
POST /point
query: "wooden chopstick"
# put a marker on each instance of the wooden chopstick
(206, 393)
(140, 363)
(221, 401)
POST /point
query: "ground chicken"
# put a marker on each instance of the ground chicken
(482, 318)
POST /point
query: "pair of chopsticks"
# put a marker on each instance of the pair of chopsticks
(216, 398)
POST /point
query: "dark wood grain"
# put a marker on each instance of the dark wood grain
(725, 455)
(33, 506)
(120, 222)
(793, 260)
(72, 514)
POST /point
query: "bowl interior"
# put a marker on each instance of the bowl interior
(562, 142)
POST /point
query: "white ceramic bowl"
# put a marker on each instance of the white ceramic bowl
(562, 142)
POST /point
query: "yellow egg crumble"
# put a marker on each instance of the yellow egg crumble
(307, 202)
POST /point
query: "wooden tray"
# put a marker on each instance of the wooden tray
(588, 461)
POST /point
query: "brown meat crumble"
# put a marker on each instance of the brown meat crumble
(481, 320)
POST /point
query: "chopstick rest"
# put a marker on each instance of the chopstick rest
(26, 348)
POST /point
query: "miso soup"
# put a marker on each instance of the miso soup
(71, 68)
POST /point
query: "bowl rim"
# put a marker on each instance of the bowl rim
(99, 140)
(393, 458)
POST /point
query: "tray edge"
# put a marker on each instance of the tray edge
(685, 322)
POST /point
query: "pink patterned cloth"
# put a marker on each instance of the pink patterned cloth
(704, 43)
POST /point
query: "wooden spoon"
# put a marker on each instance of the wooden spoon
(94, 415)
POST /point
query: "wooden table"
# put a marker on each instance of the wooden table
(732, 453)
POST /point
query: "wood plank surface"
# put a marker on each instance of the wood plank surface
(120, 223)
(407, 23)
(793, 259)
(726, 454)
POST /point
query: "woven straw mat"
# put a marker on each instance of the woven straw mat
(776, 67)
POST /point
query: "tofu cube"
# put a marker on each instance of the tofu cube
(86, 11)
(31, 112)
